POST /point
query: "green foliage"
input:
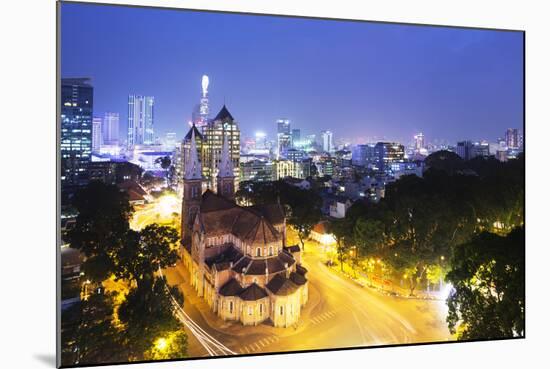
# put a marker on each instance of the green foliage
(146, 251)
(147, 315)
(95, 339)
(488, 276)
(102, 221)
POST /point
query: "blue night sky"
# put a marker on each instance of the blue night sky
(360, 80)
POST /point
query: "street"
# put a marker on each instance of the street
(339, 313)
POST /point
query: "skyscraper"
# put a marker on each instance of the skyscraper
(464, 149)
(110, 129)
(209, 146)
(295, 136)
(140, 120)
(387, 153)
(284, 139)
(201, 113)
(512, 138)
(76, 129)
(96, 134)
(418, 141)
(328, 145)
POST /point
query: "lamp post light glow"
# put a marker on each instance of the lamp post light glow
(161, 344)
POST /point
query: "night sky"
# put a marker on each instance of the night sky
(360, 80)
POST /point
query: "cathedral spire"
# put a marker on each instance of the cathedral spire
(226, 164)
(192, 165)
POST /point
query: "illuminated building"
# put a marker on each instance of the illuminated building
(419, 142)
(76, 129)
(209, 146)
(511, 137)
(362, 155)
(327, 139)
(96, 134)
(237, 256)
(140, 120)
(468, 150)
(288, 168)
(387, 153)
(257, 170)
(295, 135)
(110, 129)
(201, 112)
(284, 138)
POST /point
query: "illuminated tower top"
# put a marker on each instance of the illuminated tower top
(205, 82)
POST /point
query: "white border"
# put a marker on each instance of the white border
(28, 180)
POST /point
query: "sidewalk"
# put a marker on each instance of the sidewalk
(389, 289)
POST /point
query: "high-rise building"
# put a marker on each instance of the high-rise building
(170, 140)
(140, 120)
(419, 141)
(96, 134)
(260, 141)
(362, 155)
(76, 129)
(201, 113)
(295, 136)
(209, 145)
(387, 153)
(327, 139)
(284, 138)
(512, 138)
(464, 149)
(110, 129)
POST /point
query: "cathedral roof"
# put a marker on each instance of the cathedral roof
(280, 285)
(192, 165)
(212, 202)
(223, 260)
(298, 279)
(253, 293)
(226, 163)
(231, 288)
(261, 233)
(271, 265)
(273, 212)
(196, 131)
(224, 114)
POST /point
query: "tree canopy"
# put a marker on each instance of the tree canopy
(488, 277)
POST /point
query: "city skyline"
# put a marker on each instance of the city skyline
(480, 69)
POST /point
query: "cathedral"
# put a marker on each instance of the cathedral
(237, 257)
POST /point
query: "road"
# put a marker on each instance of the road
(344, 315)
(340, 313)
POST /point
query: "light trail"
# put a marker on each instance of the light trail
(208, 342)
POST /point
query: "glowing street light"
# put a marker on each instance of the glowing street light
(161, 344)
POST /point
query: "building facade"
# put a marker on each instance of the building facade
(209, 146)
(110, 129)
(140, 120)
(237, 256)
(76, 129)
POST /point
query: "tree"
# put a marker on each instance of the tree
(488, 277)
(147, 316)
(341, 230)
(165, 163)
(444, 160)
(96, 339)
(146, 251)
(101, 226)
(304, 208)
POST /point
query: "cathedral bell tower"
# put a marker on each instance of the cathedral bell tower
(226, 176)
(192, 188)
